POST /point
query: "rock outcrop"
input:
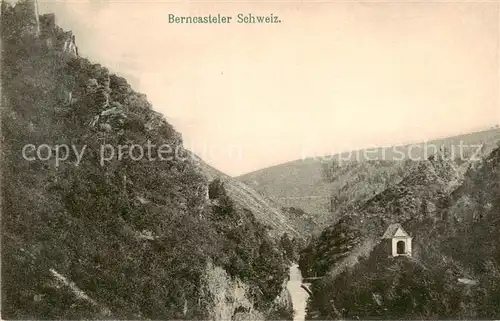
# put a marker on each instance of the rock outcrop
(228, 299)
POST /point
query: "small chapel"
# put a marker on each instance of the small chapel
(397, 240)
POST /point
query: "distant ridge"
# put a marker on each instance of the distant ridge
(302, 183)
(495, 132)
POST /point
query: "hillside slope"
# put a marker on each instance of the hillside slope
(328, 187)
(417, 197)
(264, 209)
(454, 271)
(90, 234)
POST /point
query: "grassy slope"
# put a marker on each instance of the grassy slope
(302, 183)
(264, 209)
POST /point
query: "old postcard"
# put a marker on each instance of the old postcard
(250, 160)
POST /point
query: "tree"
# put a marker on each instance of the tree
(328, 169)
(216, 189)
(287, 247)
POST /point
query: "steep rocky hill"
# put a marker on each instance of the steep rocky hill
(454, 269)
(89, 232)
(418, 196)
(327, 187)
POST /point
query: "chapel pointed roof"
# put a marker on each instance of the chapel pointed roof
(393, 229)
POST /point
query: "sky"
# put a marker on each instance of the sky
(332, 76)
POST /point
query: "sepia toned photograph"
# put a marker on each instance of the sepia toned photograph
(244, 160)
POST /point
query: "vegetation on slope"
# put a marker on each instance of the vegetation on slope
(454, 237)
(266, 211)
(126, 239)
(416, 197)
(393, 288)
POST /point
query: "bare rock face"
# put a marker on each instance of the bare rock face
(113, 118)
(69, 44)
(55, 38)
(282, 306)
(227, 299)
